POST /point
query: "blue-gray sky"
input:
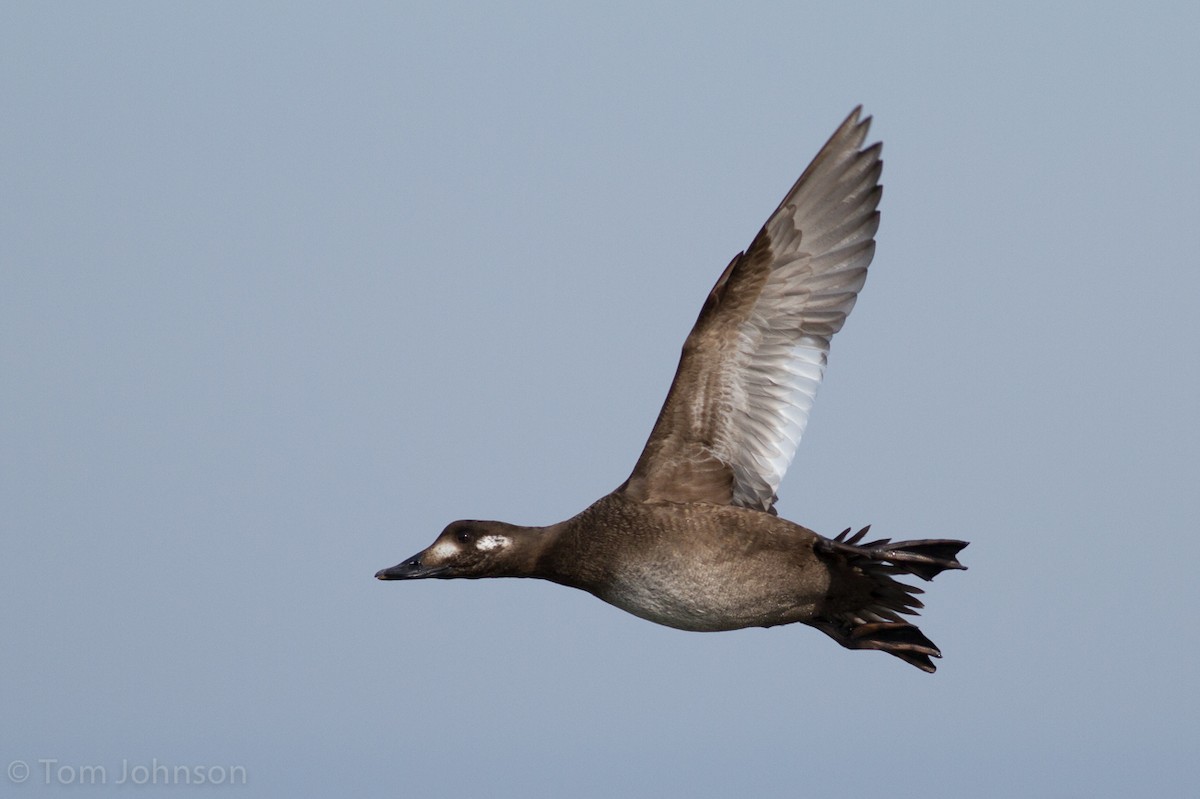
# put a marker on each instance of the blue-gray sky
(284, 288)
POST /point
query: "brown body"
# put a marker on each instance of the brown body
(691, 539)
(696, 567)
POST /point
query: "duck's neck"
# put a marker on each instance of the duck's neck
(533, 551)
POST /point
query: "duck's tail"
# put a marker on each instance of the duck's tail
(872, 620)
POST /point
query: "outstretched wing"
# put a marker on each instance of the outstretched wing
(752, 363)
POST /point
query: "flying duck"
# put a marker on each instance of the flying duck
(691, 539)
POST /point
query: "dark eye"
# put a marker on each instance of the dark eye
(463, 536)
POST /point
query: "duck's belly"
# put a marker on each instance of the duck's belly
(707, 596)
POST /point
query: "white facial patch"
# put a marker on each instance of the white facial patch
(444, 550)
(489, 542)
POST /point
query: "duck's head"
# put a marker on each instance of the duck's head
(464, 549)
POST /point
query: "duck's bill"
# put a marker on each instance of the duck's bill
(411, 569)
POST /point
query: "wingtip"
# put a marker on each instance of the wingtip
(856, 119)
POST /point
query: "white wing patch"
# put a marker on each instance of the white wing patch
(751, 367)
(822, 241)
(775, 393)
